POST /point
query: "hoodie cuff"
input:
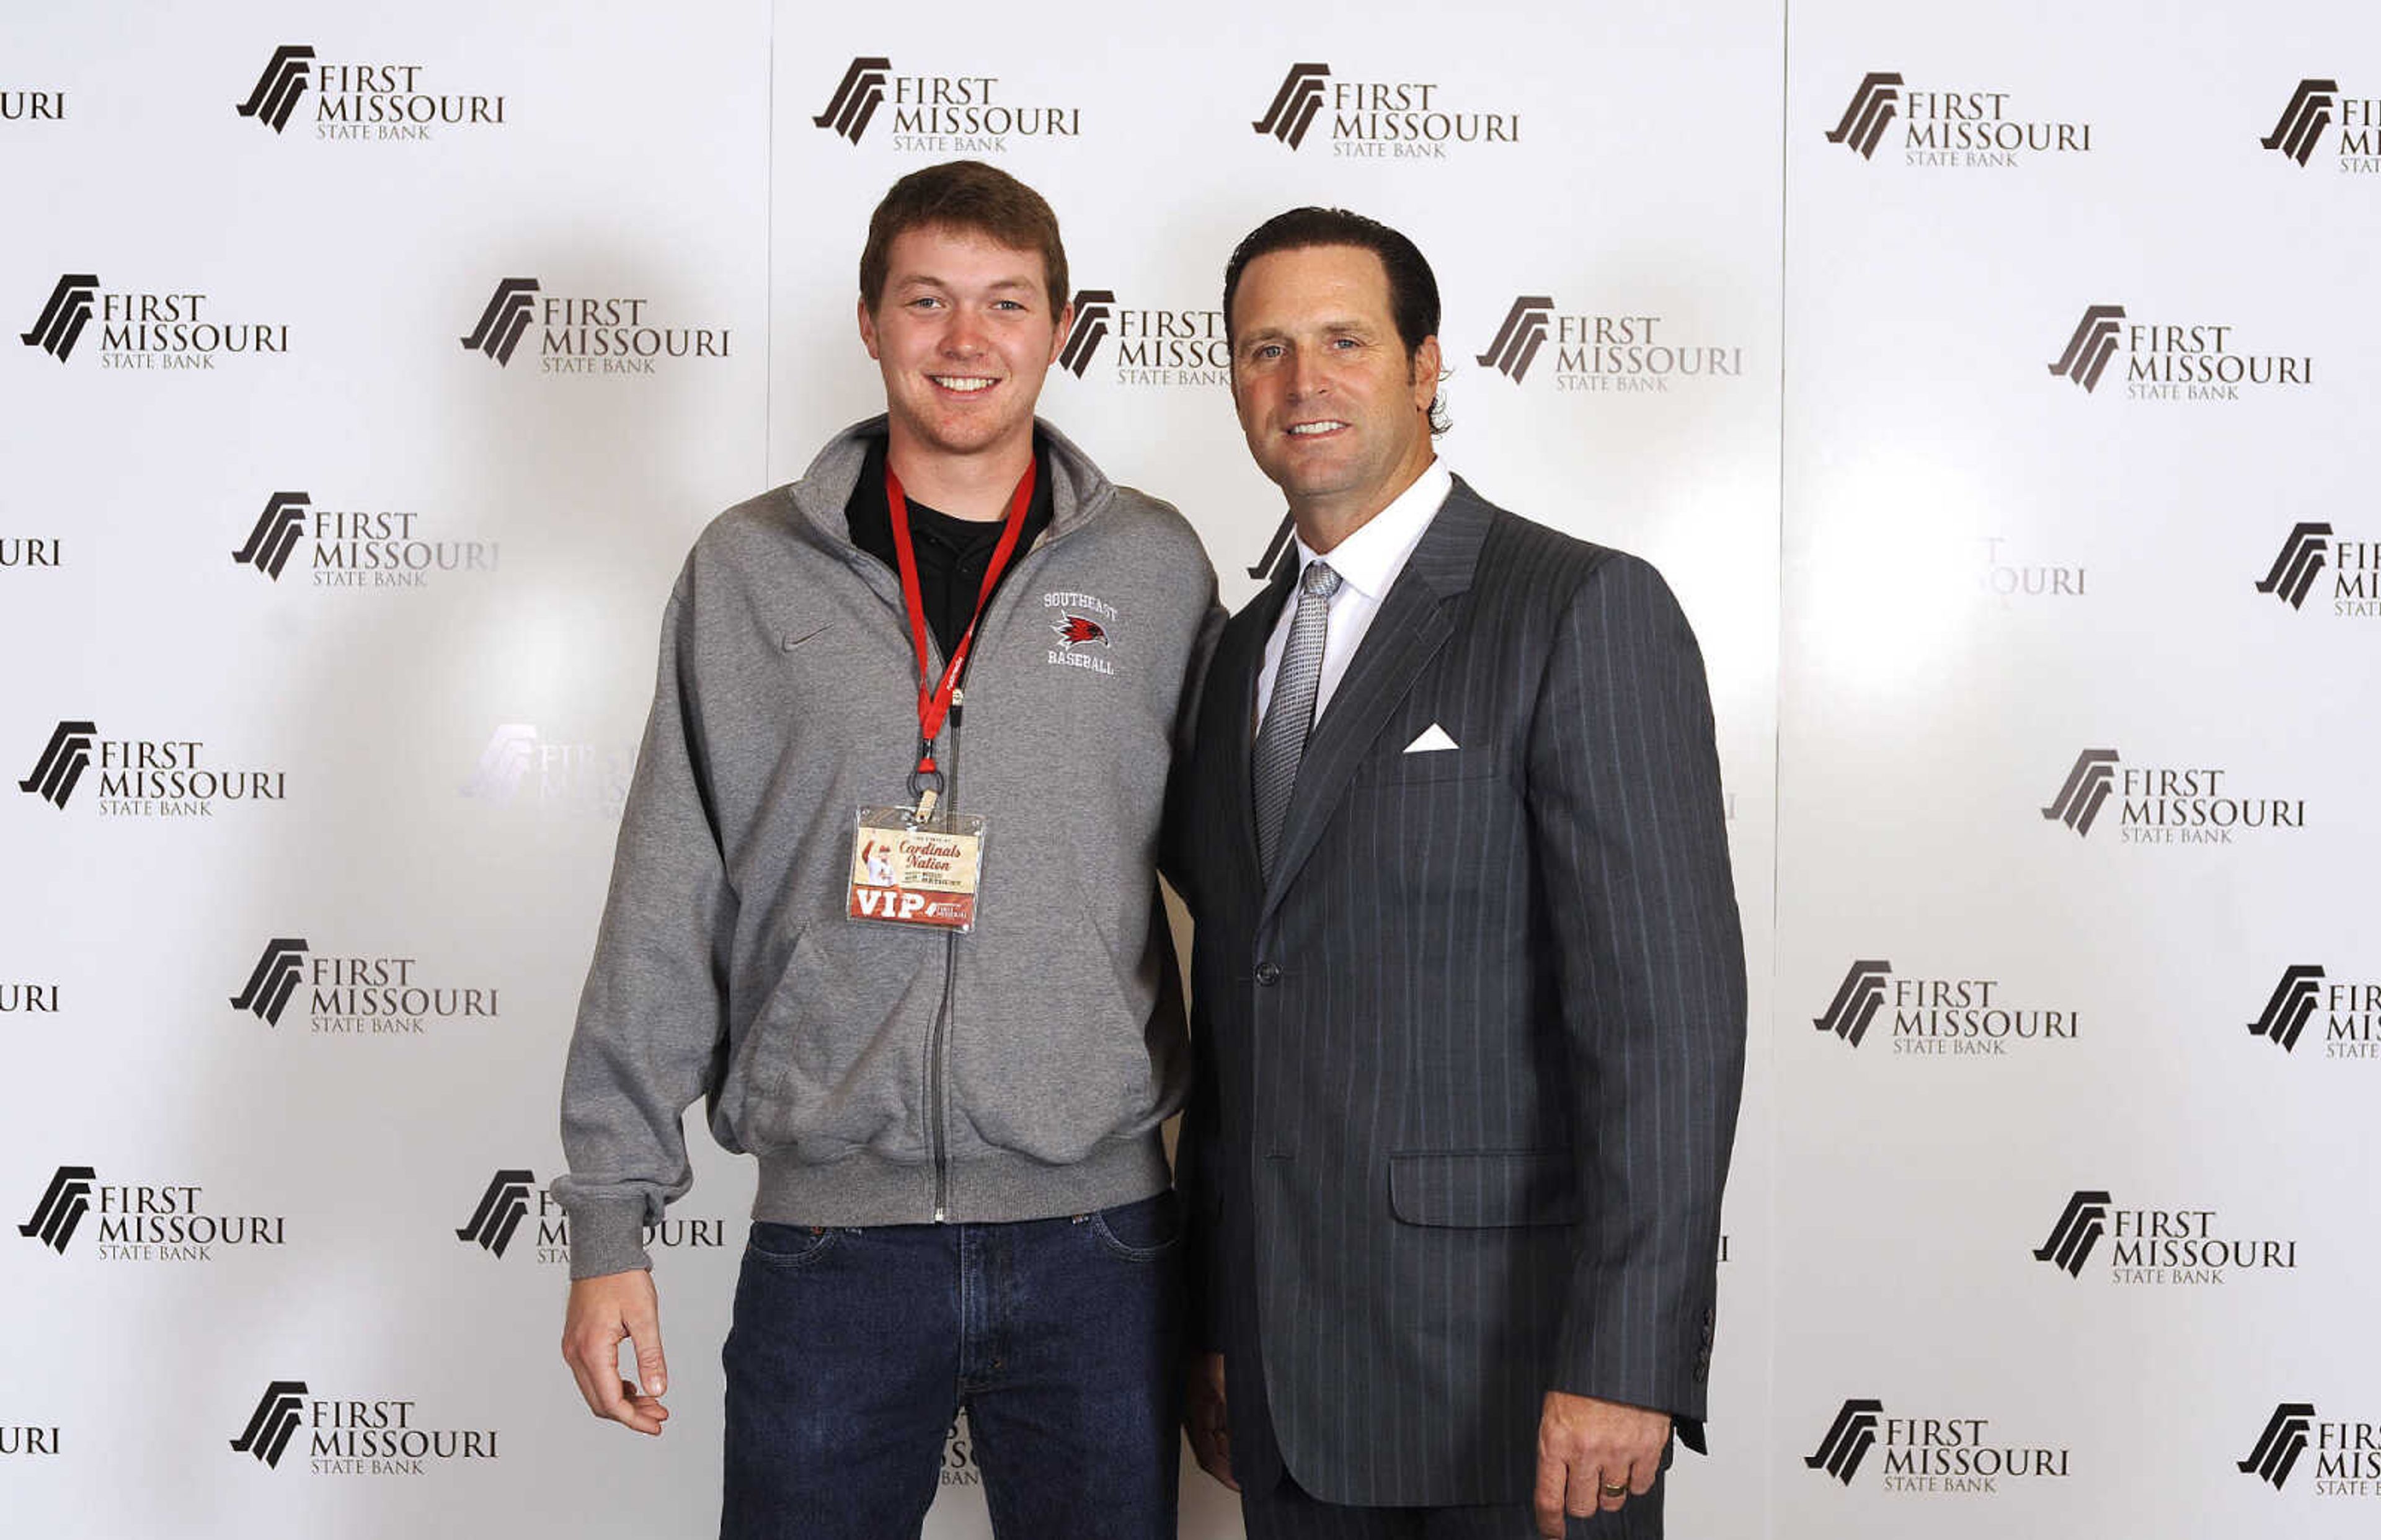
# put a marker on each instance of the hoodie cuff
(607, 1236)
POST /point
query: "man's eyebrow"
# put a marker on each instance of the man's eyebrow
(928, 280)
(1330, 325)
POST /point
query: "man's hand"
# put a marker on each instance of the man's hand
(601, 1311)
(1203, 1418)
(1586, 1448)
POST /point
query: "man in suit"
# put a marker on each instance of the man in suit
(1468, 982)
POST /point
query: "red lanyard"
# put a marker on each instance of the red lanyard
(935, 703)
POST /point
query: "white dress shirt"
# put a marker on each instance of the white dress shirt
(1368, 562)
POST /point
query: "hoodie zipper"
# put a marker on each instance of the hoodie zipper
(938, 1042)
(938, 1046)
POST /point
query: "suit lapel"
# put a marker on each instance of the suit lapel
(1239, 659)
(1412, 625)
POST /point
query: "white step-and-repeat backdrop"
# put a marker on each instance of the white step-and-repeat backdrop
(1988, 387)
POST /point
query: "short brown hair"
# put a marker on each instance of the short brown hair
(971, 197)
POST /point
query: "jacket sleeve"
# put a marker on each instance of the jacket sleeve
(1625, 803)
(1195, 1143)
(1196, 1151)
(652, 1026)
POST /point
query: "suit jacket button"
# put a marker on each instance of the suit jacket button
(1268, 973)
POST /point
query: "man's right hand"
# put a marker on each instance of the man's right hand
(1204, 1418)
(601, 1311)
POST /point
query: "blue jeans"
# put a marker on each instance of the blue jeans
(852, 1350)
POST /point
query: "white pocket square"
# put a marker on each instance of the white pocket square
(1433, 739)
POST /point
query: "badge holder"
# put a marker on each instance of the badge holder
(910, 866)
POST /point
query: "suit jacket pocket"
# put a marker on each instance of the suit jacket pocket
(1483, 1189)
(1434, 764)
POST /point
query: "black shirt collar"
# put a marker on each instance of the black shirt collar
(938, 537)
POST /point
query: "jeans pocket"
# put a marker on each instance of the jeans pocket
(787, 1245)
(1142, 1231)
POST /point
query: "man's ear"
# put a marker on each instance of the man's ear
(1427, 369)
(1066, 329)
(867, 328)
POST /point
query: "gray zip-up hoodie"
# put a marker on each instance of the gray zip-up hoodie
(890, 1074)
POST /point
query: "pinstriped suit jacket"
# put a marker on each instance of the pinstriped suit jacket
(1468, 1064)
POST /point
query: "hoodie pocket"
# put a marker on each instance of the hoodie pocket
(834, 1060)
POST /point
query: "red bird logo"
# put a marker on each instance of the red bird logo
(1076, 630)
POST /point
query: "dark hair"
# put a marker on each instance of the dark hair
(970, 197)
(1413, 290)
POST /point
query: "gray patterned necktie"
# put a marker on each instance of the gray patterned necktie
(1281, 740)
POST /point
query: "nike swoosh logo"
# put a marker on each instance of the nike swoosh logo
(796, 638)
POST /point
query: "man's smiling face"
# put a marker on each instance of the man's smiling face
(1335, 412)
(964, 334)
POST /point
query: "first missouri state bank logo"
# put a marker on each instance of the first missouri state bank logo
(2316, 103)
(1848, 1440)
(277, 977)
(2089, 348)
(2166, 360)
(1162, 345)
(354, 548)
(2350, 1010)
(2346, 1454)
(142, 1221)
(2304, 120)
(1295, 105)
(1611, 352)
(143, 777)
(64, 759)
(2165, 804)
(274, 1422)
(502, 1207)
(352, 1436)
(513, 1195)
(2307, 551)
(63, 318)
(358, 994)
(945, 114)
(857, 97)
(2160, 1246)
(509, 311)
(63, 1205)
(1875, 104)
(2088, 785)
(1092, 307)
(279, 87)
(1930, 1454)
(276, 535)
(1857, 1001)
(379, 100)
(152, 329)
(585, 334)
(1940, 1018)
(1964, 128)
(1383, 119)
(520, 767)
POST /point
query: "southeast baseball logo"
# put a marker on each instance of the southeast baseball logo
(1078, 630)
(1081, 622)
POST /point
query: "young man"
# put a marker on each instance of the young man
(1468, 980)
(951, 656)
